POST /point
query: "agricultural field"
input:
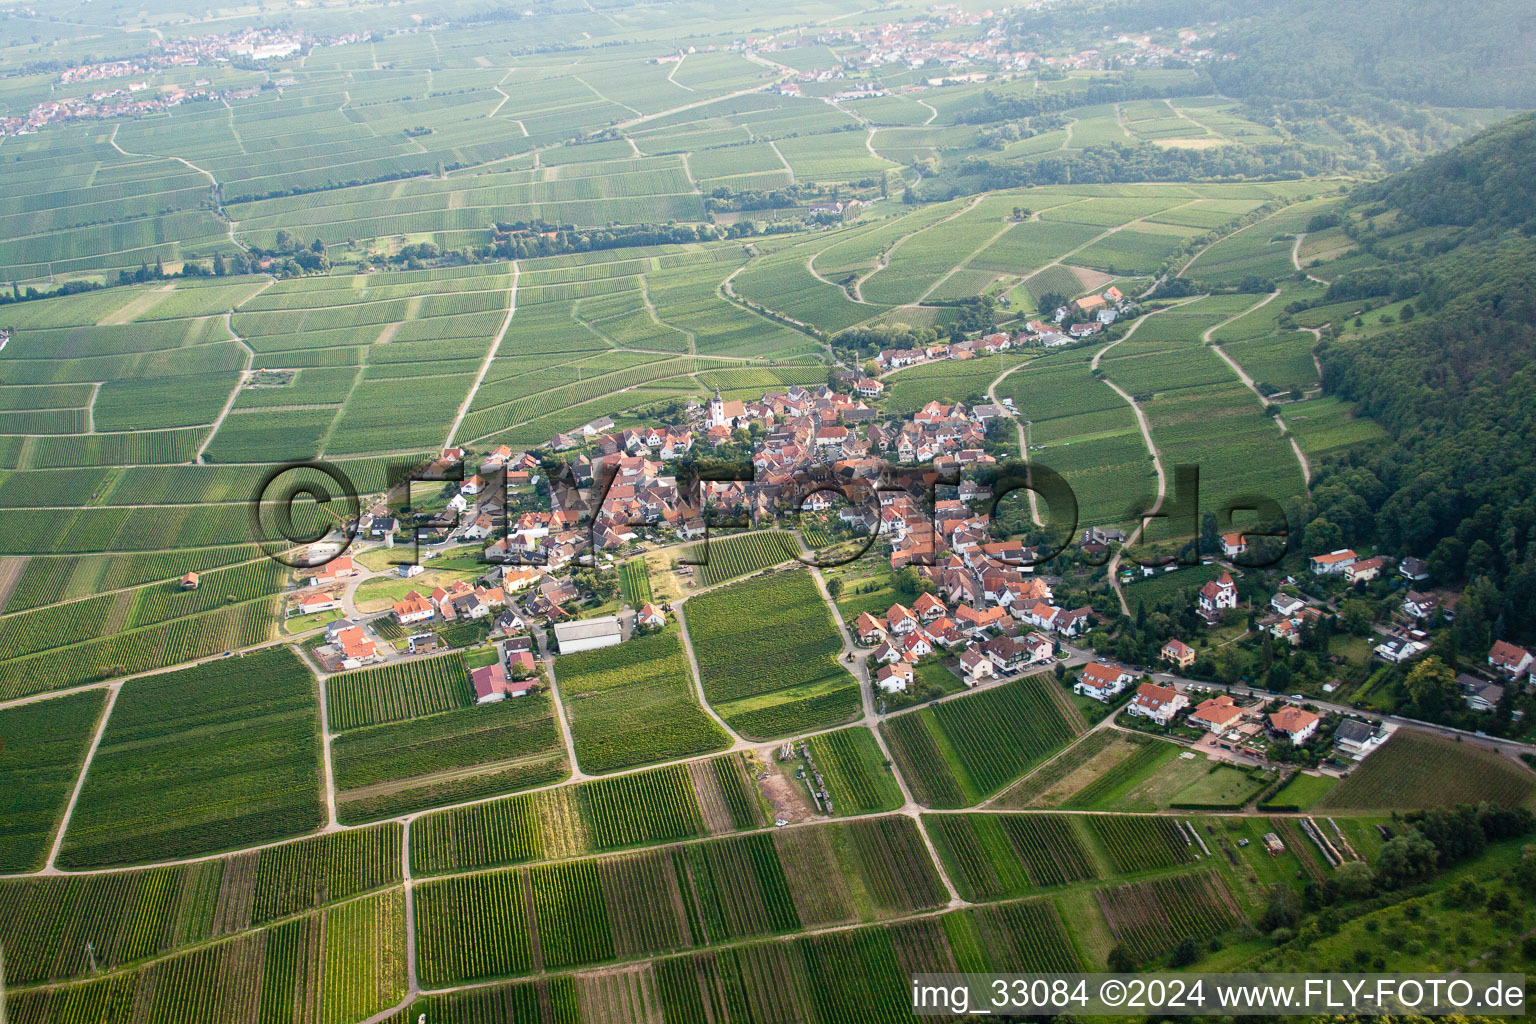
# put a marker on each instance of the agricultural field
(447, 757)
(780, 626)
(717, 560)
(709, 797)
(634, 704)
(189, 765)
(398, 692)
(857, 777)
(1415, 770)
(1150, 918)
(343, 962)
(994, 856)
(474, 927)
(42, 747)
(130, 916)
(961, 751)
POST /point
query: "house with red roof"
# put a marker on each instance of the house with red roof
(1101, 681)
(1217, 714)
(1160, 704)
(412, 608)
(1513, 661)
(894, 678)
(1298, 724)
(1177, 652)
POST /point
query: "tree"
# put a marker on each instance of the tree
(219, 269)
(1357, 615)
(1283, 909)
(1432, 687)
(1405, 858)
(1354, 879)
(1185, 953)
(1121, 961)
(835, 587)
(1322, 536)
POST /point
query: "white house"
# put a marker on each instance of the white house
(1398, 649)
(1297, 723)
(1157, 703)
(1218, 595)
(1101, 681)
(1333, 562)
(977, 666)
(1513, 661)
(894, 678)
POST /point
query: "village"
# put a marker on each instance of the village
(536, 539)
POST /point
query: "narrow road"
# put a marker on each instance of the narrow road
(1034, 499)
(1306, 468)
(737, 743)
(577, 774)
(234, 393)
(327, 770)
(51, 866)
(490, 356)
(1146, 434)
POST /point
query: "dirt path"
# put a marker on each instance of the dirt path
(1306, 468)
(51, 866)
(1296, 262)
(1146, 435)
(234, 393)
(1034, 503)
(11, 569)
(490, 355)
(775, 147)
(885, 257)
(565, 726)
(737, 743)
(327, 770)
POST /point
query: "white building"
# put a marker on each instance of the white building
(588, 634)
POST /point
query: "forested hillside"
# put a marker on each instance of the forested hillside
(1453, 385)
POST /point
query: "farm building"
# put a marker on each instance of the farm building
(588, 634)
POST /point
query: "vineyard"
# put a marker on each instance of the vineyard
(995, 856)
(1150, 918)
(1413, 771)
(132, 915)
(855, 976)
(657, 806)
(726, 558)
(478, 926)
(964, 750)
(42, 746)
(765, 649)
(857, 778)
(392, 693)
(341, 963)
(189, 764)
(457, 755)
(635, 581)
(1135, 844)
(634, 704)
